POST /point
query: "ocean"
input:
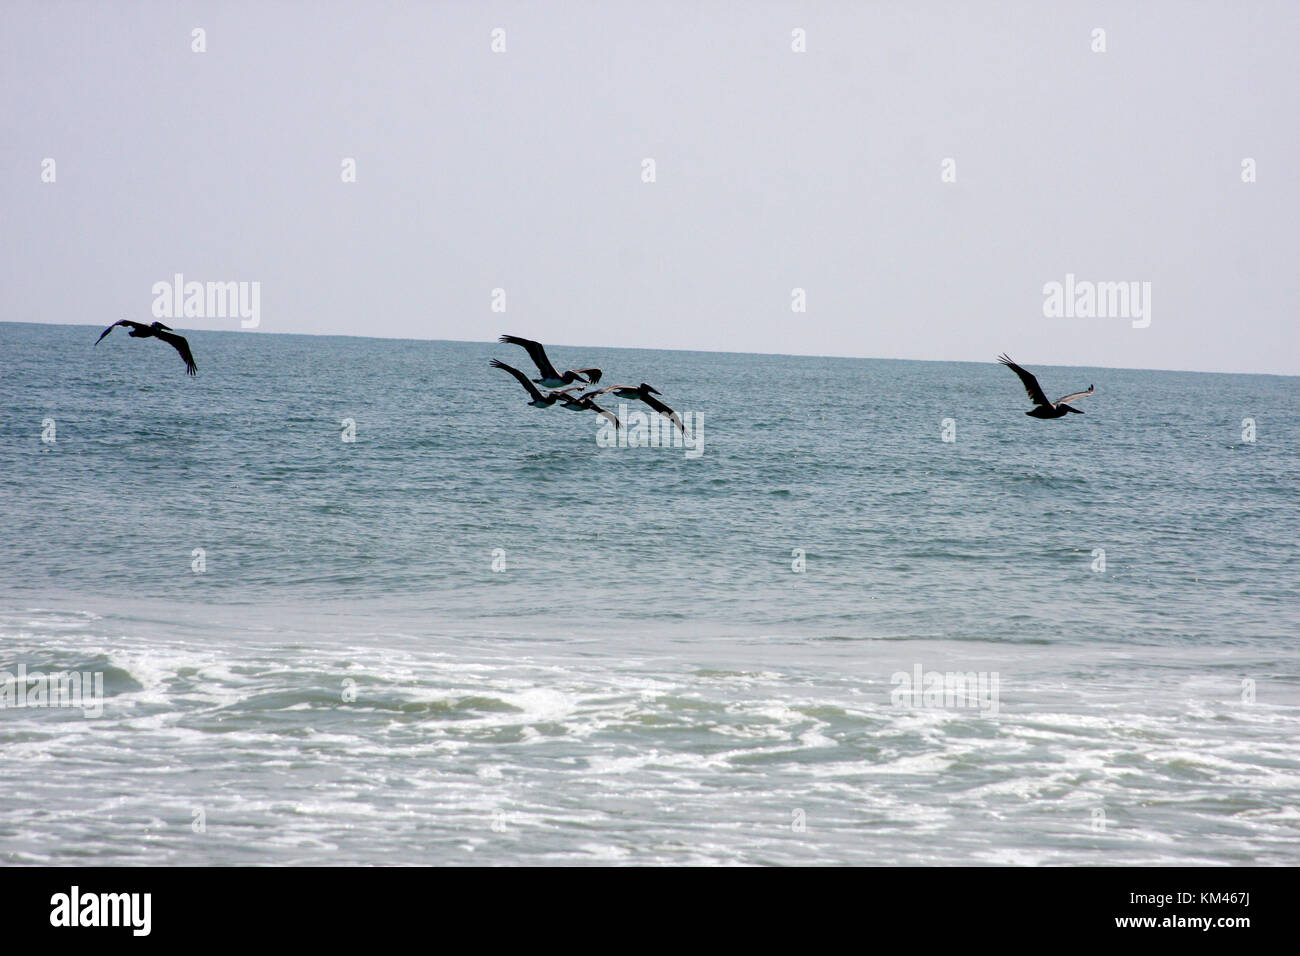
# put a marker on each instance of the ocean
(477, 634)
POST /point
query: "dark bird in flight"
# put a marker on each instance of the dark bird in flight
(583, 403)
(645, 393)
(550, 377)
(157, 331)
(538, 399)
(1042, 407)
(628, 392)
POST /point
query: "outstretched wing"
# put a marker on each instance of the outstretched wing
(1072, 397)
(592, 374)
(600, 411)
(523, 379)
(179, 343)
(1035, 390)
(663, 409)
(111, 328)
(536, 351)
(602, 391)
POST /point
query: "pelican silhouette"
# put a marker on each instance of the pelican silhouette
(645, 393)
(583, 403)
(550, 377)
(1042, 407)
(157, 331)
(629, 392)
(538, 399)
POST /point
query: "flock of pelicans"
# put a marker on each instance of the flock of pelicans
(553, 380)
(560, 387)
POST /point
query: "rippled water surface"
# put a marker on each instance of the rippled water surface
(646, 678)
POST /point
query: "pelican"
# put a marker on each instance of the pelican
(539, 400)
(583, 403)
(575, 403)
(1042, 407)
(628, 392)
(550, 377)
(157, 331)
(645, 393)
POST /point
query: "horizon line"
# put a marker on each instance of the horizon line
(632, 348)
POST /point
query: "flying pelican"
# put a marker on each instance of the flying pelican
(628, 392)
(1042, 407)
(157, 331)
(550, 377)
(645, 393)
(583, 403)
(539, 400)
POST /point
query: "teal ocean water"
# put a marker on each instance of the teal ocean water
(473, 635)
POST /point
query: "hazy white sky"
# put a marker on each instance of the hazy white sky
(774, 170)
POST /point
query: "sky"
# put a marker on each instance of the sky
(921, 171)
